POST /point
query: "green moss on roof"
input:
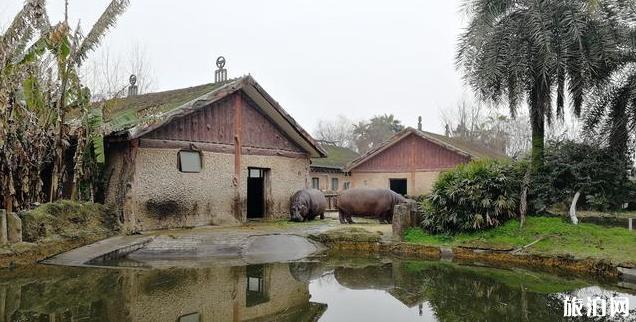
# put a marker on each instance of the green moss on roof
(337, 157)
(152, 103)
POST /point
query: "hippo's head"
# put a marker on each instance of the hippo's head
(298, 211)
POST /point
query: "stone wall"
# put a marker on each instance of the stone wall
(162, 197)
(418, 183)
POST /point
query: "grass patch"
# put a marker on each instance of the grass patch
(67, 220)
(557, 238)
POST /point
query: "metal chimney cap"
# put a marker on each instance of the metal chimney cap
(220, 62)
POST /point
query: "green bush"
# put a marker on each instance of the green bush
(474, 196)
(600, 175)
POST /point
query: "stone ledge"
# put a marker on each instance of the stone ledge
(556, 264)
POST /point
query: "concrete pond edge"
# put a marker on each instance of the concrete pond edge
(588, 267)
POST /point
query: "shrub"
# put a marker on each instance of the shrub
(477, 195)
(600, 175)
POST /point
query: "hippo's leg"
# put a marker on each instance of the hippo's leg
(349, 220)
(341, 217)
(322, 215)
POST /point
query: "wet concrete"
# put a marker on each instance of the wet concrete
(253, 243)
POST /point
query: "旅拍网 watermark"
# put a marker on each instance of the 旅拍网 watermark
(595, 307)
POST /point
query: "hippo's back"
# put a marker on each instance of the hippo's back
(369, 202)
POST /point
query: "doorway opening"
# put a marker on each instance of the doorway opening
(256, 193)
(398, 186)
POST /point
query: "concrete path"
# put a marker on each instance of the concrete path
(81, 256)
(253, 243)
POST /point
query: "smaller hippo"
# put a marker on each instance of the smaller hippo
(307, 204)
(376, 203)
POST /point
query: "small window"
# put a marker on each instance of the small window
(334, 184)
(190, 161)
(347, 185)
(256, 173)
(315, 183)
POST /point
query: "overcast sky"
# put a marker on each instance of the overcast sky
(318, 58)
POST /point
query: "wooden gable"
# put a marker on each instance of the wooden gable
(412, 153)
(216, 124)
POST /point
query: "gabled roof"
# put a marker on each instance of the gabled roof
(474, 151)
(132, 117)
(337, 157)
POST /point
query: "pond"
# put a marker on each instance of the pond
(328, 288)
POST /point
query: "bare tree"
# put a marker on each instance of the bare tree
(338, 132)
(472, 122)
(108, 74)
(489, 126)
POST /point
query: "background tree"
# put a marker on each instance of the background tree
(107, 74)
(472, 123)
(338, 132)
(369, 134)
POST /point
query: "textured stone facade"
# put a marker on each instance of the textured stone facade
(160, 196)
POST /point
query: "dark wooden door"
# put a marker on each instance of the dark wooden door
(256, 193)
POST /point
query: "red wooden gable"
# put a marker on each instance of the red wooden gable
(215, 124)
(412, 153)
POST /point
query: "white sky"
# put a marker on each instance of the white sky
(318, 58)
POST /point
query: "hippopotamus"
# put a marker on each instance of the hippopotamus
(376, 203)
(307, 204)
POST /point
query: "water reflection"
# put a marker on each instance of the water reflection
(330, 289)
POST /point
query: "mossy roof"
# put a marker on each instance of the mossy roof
(159, 101)
(337, 157)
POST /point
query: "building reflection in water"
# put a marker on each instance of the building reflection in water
(245, 293)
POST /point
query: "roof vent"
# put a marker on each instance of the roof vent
(220, 75)
(419, 123)
(133, 89)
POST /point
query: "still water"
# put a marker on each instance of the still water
(331, 288)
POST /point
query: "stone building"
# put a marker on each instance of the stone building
(410, 161)
(328, 174)
(213, 154)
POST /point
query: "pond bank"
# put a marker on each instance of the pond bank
(359, 241)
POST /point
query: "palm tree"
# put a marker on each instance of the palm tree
(515, 50)
(611, 114)
(612, 110)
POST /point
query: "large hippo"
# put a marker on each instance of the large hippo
(377, 203)
(307, 204)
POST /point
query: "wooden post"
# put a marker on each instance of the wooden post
(238, 129)
(3, 227)
(631, 225)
